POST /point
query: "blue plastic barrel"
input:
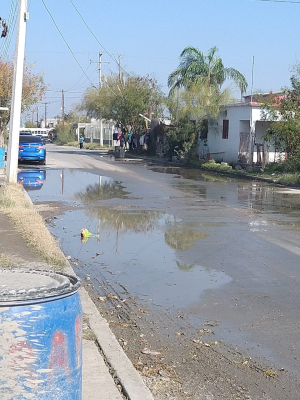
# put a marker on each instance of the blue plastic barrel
(2, 157)
(40, 336)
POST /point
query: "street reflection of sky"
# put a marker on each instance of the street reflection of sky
(66, 186)
(143, 261)
(141, 249)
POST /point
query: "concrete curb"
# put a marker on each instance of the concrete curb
(131, 381)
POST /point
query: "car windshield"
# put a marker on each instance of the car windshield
(30, 139)
(25, 133)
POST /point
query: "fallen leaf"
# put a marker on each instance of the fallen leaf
(204, 330)
(270, 372)
(179, 333)
(112, 296)
(216, 323)
(102, 298)
(197, 341)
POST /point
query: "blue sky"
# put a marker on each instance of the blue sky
(149, 37)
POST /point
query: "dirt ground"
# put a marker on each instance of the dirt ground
(192, 364)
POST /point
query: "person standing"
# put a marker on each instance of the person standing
(81, 140)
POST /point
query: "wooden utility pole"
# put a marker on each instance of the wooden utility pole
(14, 131)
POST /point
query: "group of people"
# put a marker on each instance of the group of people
(127, 140)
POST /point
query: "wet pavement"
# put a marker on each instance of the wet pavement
(186, 242)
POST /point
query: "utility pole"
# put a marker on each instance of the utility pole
(13, 145)
(100, 62)
(119, 65)
(46, 114)
(37, 116)
(63, 107)
(100, 85)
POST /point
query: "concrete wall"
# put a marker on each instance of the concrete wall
(239, 121)
(244, 118)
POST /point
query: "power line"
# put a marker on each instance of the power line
(66, 43)
(12, 19)
(281, 1)
(110, 55)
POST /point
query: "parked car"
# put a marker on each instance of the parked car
(31, 148)
(45, 139)
(25, 133)
(32, 179)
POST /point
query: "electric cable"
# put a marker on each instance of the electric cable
(66, 42)
(281, 1)
(12, 19)
(110, 55)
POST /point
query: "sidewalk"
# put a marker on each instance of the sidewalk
(100, 356)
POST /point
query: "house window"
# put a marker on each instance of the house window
(225, 128)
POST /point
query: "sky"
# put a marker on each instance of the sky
(64, 38)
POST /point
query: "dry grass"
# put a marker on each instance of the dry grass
(5, 261)
(30, 224)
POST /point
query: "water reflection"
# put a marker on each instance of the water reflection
(106, 189)
(122, 220)
(32, 179)
(182, 238)
(266, 198)
(185, 267)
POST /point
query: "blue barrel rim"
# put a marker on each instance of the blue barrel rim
(67, 285)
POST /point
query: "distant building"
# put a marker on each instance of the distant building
(50, 122)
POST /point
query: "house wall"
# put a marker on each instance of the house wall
(243, 118)
(239, 121)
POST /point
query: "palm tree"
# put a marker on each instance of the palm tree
(195, 65)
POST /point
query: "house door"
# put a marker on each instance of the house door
(244, 147)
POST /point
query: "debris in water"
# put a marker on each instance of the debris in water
(150, 352)
(85, 234)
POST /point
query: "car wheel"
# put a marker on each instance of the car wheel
(43, 162)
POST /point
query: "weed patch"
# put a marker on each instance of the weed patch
(5, 261)
(30, 224)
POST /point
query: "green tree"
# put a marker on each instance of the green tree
(33, 89)
(194, 65)
(285, 128)
(30, 124)
(123, 99)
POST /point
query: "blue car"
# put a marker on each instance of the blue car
(31, 148)
(32, 179)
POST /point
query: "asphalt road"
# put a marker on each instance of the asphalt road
(211, 249)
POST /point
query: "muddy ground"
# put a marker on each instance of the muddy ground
(178, 361)
(206, 303)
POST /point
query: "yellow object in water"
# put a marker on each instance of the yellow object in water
(85, 234)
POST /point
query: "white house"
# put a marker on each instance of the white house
(237, 136)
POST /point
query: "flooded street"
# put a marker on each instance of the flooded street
(194, 257)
